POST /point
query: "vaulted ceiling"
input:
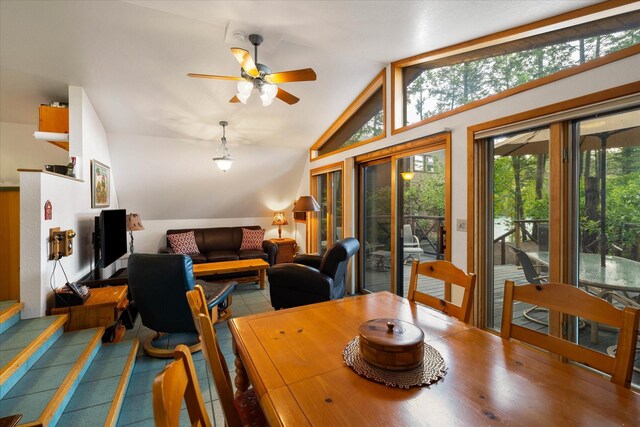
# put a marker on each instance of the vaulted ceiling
(132, 59)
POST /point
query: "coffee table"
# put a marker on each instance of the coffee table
(224, 267)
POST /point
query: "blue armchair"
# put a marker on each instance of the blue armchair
(158, 284)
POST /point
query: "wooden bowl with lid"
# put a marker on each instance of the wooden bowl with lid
(391, 344)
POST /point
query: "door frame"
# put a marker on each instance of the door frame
(439, 141)
(557, 117)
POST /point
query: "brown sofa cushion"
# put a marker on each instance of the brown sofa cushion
(224, 255)
(252, 254)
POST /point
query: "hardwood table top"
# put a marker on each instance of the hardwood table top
(229, 266)
(294, 360)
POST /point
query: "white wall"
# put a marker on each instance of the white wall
(611, 75)
(19, 149)
(71, 202)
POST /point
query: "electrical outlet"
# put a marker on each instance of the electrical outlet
(461, 225)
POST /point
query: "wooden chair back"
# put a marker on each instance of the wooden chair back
(573, 301)
(449, 274)
(177, 382)
(213, 354)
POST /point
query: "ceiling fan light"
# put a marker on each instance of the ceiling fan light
(269, 91)
(245, 87)
(265, 100)
(243, 97)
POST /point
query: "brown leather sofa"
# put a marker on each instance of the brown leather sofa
(223, 244)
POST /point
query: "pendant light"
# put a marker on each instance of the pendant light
(224, 163)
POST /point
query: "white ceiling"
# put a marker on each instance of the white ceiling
(132, 57)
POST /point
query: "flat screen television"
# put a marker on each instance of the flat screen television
(110, 238)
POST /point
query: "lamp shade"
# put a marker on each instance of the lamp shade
(306, 204)
(279, 218)
(134, 223)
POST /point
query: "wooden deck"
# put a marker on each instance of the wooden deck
(379, 280)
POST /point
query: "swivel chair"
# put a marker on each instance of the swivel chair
(312, 278)
(158, 283)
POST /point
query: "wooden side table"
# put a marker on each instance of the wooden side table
(286, 250)
(103, 308)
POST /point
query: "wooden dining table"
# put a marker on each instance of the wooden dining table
(294, 360)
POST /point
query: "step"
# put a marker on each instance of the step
(23, 344)
(9, 314)
(99, 397)
(42, 394)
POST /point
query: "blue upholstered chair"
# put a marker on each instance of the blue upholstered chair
(158, 284)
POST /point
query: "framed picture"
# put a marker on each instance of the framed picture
(100, 185)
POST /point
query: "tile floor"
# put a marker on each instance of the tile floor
(137, 409)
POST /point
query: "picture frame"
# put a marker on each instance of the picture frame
(100, 185)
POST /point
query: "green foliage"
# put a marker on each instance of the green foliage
(438, 90)
(425, 193)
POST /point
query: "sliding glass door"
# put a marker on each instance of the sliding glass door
(560, 203)
(403, 204)
(421, 199)
(608, 228)
(518, 243)
(375, 226)
(326, 187)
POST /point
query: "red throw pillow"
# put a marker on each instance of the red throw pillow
(183, 243)
(252, 239)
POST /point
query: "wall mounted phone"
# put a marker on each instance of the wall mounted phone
(60, 243)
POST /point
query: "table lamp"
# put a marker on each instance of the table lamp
(279, 219)
(133, 224)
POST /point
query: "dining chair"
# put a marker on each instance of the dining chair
(245, 408)
(576, 302)
(449, 274)
(177, 382)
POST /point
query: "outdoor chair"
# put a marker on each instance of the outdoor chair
(244, 409)
(177, 382)
(449, 274)
(576, 302)
(411, 244)
(533, 276)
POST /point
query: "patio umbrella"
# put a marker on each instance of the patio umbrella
(600, 133)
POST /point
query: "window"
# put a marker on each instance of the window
(327, 188)
(440, 82)
(558, 202)
(362, 122)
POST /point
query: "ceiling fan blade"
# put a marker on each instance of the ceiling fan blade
(302, 75)
(286, 97)
(234, 99)
(246, 61)
(211, 76)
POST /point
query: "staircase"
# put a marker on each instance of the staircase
(52, 377)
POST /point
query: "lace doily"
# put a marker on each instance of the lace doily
(432, 369)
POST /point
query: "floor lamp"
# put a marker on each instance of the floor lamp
(305, 204)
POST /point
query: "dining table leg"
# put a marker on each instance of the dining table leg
(242, 380)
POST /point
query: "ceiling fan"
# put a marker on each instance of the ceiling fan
(254, 75)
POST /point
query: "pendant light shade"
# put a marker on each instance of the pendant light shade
(225, 161)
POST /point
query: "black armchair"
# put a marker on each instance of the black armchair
(312, 278)
(158, 284)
